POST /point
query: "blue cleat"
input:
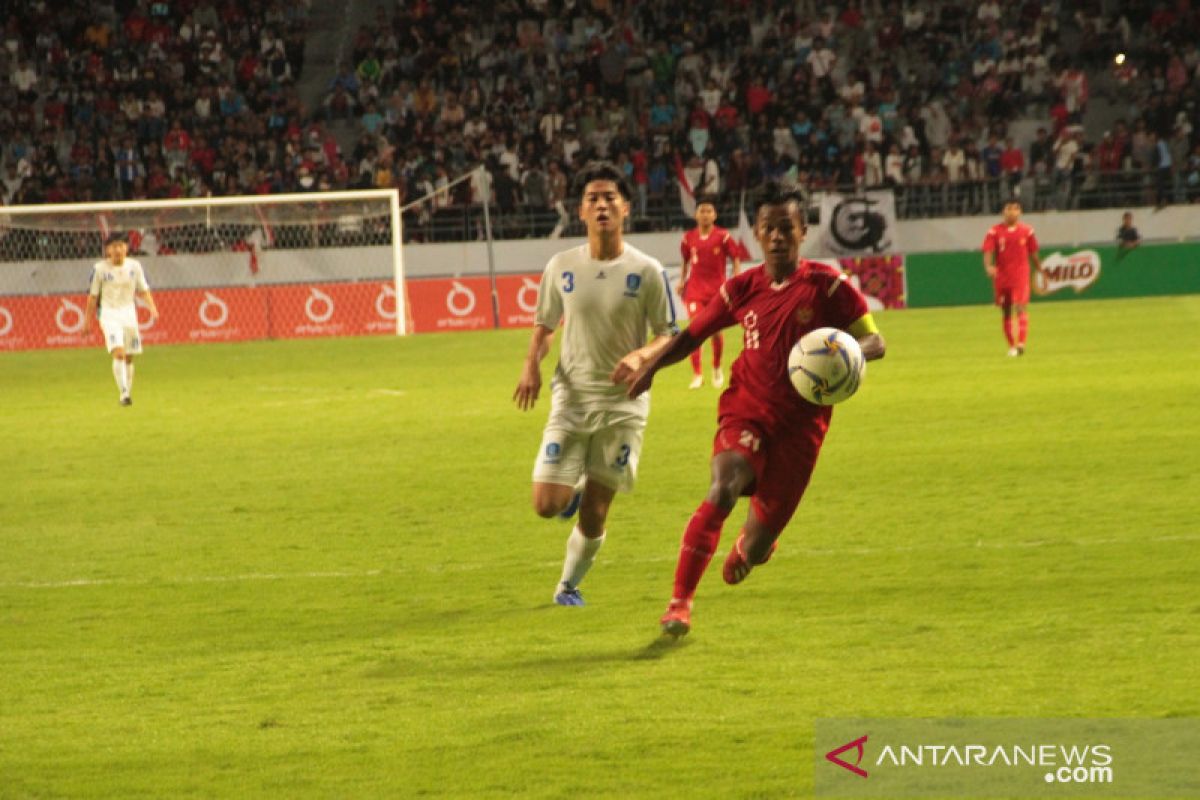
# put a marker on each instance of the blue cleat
(568, 595)
(573, 506)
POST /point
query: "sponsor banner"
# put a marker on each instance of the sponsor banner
(332, 309)
(1075, 270)
(451, 304)
(863, 224)
(1028, 758)
(35, 322)
(879, 278)
(941, 279)
(518, 299)
(206, 315)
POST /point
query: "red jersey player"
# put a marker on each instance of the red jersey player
(705, 249)
(1007, 249)
(768, 437)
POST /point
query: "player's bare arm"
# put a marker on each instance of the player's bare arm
(737, 266)
(148, 299)
(530, 383)
(869, 339)
(988, 266)
(634, 361)
(89, 314)
(677, 348)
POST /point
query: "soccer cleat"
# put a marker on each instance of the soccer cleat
(737, 566)
(697, 382)
(678, 619)
(568, 595)
(126, 400)
(1020, 349)
(1014, 351)
(718, 377)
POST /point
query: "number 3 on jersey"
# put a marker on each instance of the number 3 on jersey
(568, 282)
(623, 458)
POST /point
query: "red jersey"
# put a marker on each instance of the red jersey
(773, 317)
(1012, 247)
(706, 257)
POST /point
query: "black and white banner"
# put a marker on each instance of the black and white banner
(861, 224)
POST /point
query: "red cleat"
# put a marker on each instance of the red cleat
(678, 619)
(737, 566)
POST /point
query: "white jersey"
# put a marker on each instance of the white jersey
(608, 307)
(115, 287)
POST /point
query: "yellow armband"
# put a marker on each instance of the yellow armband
(863, 326)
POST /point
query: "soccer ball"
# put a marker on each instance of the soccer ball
(826, 366)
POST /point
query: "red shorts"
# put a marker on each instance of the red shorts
(1012, 295)
(782, 466)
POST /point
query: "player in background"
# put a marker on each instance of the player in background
(1007, 249)
(705, 249)
(768, 437)
(609, 294)
(116, 280)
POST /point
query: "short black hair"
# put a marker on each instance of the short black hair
(602, 171)
(116, 236)
(1013, 201)
(707, 199)
(774, 193)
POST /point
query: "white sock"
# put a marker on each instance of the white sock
(129, 377)
(119, 375)
(581, 552)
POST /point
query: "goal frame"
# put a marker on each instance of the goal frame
(391, 195)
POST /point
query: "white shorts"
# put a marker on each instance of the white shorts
(121, 330)
(604, 445)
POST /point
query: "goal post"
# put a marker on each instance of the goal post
(221, 268)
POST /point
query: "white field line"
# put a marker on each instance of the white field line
(255, 577)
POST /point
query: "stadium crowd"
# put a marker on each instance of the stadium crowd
(189, 97)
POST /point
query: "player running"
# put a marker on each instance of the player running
(609, 294)
(705, 250)
(768, 437)
(1007, 249)
(115, 282)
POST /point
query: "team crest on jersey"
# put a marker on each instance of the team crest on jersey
(717, 250)
(632, 284)
(804, 315)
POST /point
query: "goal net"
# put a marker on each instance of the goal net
(220, 268)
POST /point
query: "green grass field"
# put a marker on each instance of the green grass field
(310, 569)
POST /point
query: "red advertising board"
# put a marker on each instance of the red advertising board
(280, 312)
(518, 299)
(450, 304)
(332, 309)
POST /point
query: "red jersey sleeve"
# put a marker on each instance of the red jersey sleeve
(846, 305)
(718, 313)
(989, 241)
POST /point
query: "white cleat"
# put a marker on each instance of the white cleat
(697, 382)
(1013, 352)
(718, 377)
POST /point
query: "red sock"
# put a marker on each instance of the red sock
(1022, 327)
(699, 543)
(696, 361)
(718, 345)
(1008, 330)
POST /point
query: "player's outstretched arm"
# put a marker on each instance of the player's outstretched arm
(148, 299)
(530, 383)
(870, 340)
(89, 314)
(873, 346)
(677, 348)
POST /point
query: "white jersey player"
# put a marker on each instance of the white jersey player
(116, 281)
(608, 295)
